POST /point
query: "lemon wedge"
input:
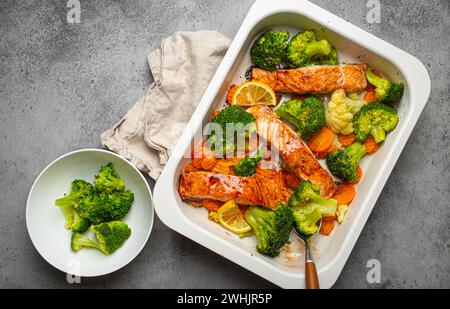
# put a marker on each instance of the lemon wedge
(231, 218)
(252, 93)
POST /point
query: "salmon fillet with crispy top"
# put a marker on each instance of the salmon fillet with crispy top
(315, 79)
(291, 148)
(243, 190)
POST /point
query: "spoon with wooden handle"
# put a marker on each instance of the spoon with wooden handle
(311, 278)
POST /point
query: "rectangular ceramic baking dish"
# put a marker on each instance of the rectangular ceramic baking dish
(353, 45)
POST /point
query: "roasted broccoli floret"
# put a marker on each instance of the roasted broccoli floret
(104, 206)
(232, 121)
(385, 90)
(343, 163)
(272, 227)
(375, 119)
(308, 116)
(108, 179)
(247, 166)
(110, 237)
(305, 50)
(308, 207)
(80, 190)
(290, 111)
(268, 50)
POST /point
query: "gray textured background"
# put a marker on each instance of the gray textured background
(61, 85)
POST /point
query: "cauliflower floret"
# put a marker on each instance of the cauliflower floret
(340, 111)
(341, 211)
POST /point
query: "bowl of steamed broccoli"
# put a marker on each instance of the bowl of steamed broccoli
(89, 212)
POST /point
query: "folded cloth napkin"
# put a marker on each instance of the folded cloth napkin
(181, 69)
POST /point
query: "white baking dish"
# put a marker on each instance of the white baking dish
(354, 45)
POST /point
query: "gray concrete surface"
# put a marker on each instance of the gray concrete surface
(61, 85)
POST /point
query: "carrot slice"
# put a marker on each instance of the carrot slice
(190, 168)
(327, 227)
(321, 140)
(330, 149)
(370, 95)
(371, 146)
(330, 218)
(211, 205)
(231, 92)
(346, 140)
(197, 163)
(221, 168)
(214, 114)
(345, 193)
(359, 173)
(208, 163)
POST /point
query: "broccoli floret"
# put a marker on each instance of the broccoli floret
(108, 179)
(375, 119)
(343, 163)
(80, 241)
(305, 50)
(247, 166)
(290, 111)
(308, 207)
(236, 118)
(110, 237)
(74, 221)
(268, 50)
(385, 90)
(272, 227)
(80, 190)
(308, 116)
(104, 206)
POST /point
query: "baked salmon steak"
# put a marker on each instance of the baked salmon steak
(315, 79)
(292, 149)
(252, 190)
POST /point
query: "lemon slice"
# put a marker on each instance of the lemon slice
(231, 218)
(252, 93)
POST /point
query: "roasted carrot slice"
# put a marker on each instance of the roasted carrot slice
(190, 168)
(371, 146)
(208, 163)
(327, 227)
(330, 149)
(230, 93)
(211, 205)
(359, 173)
(370, 95)
(330, 218)
(346, 140)
(214, 114)
(321, 140)
(345, 193)
(221, 168)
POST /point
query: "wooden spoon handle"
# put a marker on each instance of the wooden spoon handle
(312, 281)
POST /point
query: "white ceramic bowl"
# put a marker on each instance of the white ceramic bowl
(45, 221)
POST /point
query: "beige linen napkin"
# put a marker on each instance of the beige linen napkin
(181, 69)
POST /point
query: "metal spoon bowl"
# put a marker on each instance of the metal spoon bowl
(311, 278)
